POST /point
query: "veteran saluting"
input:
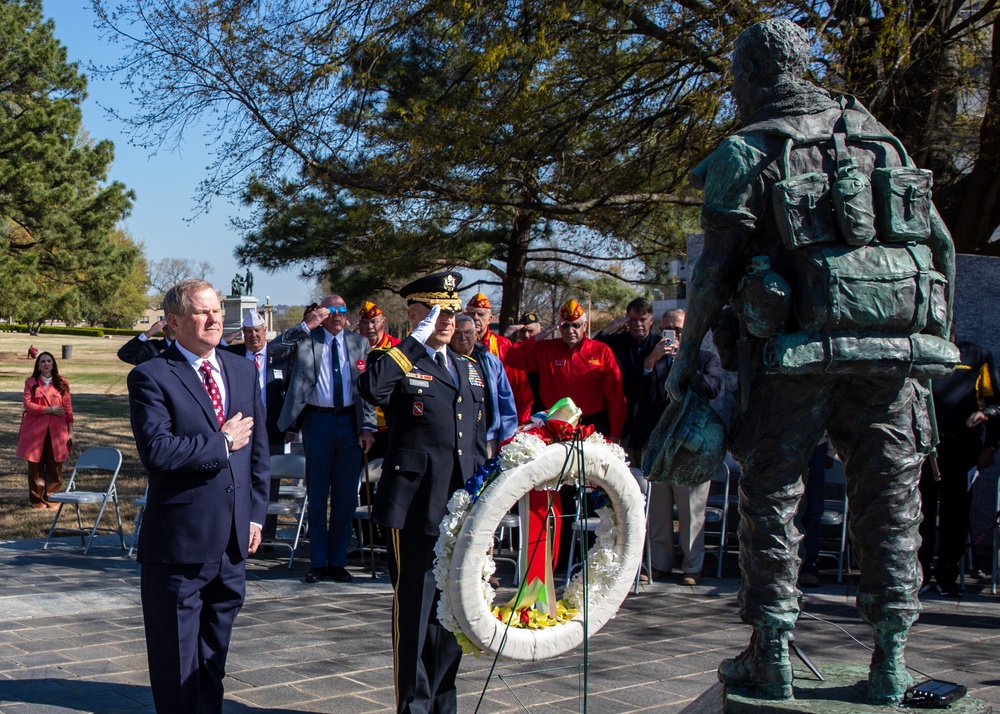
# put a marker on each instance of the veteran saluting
(433, 401)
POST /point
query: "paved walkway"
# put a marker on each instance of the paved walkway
(71, 640)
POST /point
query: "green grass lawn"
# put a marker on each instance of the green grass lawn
(97, 385)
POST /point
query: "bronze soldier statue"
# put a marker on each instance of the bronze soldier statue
(821, 234)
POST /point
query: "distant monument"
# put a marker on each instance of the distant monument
(239, 301)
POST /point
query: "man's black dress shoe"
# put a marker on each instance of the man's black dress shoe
(315, 575)
(339, 574)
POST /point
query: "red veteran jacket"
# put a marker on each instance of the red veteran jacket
(588, 375)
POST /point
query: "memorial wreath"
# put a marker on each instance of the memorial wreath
(533, 625)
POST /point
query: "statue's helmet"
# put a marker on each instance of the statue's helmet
(688, 445)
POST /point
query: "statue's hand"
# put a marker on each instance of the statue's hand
(680, 376)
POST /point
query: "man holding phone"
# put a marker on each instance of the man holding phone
(690, 502)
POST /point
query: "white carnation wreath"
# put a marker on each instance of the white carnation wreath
(463, 565)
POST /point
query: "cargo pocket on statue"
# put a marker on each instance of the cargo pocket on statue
(803, 210)
(903, 203)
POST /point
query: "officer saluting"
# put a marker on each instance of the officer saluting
(433, 402)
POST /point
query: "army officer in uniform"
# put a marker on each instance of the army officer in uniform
(433, 399)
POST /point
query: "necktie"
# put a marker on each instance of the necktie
(338, 381)
(213, 391)
(257, 361)
(443, 362)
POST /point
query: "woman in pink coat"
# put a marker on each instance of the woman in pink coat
(46, 430)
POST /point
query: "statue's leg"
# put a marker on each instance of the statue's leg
(785, 418)
(881, 430)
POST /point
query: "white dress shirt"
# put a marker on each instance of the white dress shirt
(322, 395)
(220, 378)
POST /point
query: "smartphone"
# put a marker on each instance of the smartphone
(668, 336)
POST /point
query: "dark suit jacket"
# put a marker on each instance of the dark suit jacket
(137, 351)
(630, 356)
(198, 491)
(304, 352)
(437, 433)
(653, 398)
(275, 374)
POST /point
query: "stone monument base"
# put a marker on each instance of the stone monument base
(234, 308)
(843, 692)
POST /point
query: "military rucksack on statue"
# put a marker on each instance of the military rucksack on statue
(862, 285)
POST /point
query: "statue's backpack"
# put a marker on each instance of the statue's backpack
(864, 293)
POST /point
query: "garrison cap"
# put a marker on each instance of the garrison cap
(252, 318)
(529, 318)
(439, 289)
(479, 301)
(369, 311)
(571, 311)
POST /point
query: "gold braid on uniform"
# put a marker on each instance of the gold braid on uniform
(399, 358)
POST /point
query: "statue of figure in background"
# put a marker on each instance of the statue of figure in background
(811, 188)
(237, 286)
(249, 283)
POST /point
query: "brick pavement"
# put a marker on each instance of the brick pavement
(71, 640)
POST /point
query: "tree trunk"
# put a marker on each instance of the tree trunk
(980, 213)
(517, 262)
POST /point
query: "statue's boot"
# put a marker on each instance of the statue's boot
(888, 679)
(762, 670)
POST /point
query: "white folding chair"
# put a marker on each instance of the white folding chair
(717, 514)
(644, 487)
(102, 460)
(579, 527)
(290, 508)
(835, 515)
(505, 530)
(361, 511)
(140, 504)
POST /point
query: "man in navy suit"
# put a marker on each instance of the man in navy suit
(193, 414)
(337, 426)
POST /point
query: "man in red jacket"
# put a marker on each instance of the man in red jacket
(372, 325)
(582, 369)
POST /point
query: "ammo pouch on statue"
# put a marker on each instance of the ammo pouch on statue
(886, 288)
(904, 203)
(916, 356)
(809, 210)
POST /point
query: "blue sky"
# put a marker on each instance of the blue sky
(164, 183)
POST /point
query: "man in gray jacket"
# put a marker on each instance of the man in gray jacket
(337, 425)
